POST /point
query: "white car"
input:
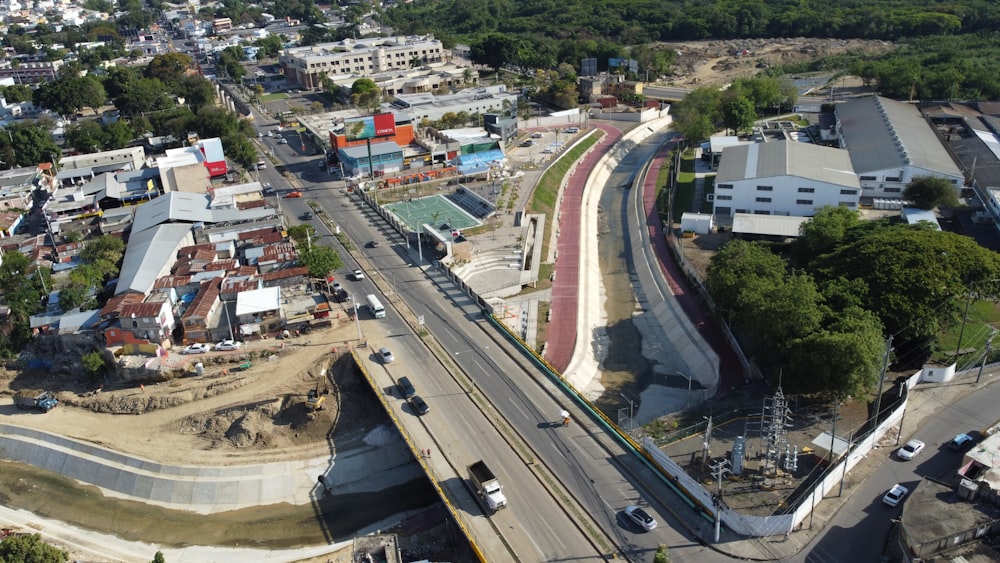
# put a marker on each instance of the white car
(895, 495)
(641, 518)
(910, 450)
(197, 348)
(386, 355)
(228, 345)
(573, 130)
(358, 274)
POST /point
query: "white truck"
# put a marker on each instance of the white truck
(487, 486)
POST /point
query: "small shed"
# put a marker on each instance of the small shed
(699, 223)
(913, 216)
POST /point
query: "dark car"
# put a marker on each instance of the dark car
(405, 387)
(307, 215)
(372, 244)
(961, 442)
(419, 405)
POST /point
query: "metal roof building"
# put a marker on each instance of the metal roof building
(890, 144)
(150, 254)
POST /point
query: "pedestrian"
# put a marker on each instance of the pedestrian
(786, 536)
(142, 388)
(428, 452)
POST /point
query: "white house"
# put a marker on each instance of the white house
(784, 178)
(890, 144)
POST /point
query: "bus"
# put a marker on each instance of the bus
(375, 306)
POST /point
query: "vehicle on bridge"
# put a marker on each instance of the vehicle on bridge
(487, 486)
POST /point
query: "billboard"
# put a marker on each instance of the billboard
(370, 126)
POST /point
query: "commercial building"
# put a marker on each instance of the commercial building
(359, 57)
(490, 99)
(891, 143)
(784, 178)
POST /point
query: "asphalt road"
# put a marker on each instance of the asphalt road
(859, 529)
(600, 474)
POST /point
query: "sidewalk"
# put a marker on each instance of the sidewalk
(926, 400)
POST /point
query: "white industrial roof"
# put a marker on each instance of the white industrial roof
(769, 225)
(258, 301)
(787, 158)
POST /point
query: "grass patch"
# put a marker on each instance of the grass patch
(274, 97)
(543, 199)
(685, 186)
(707, 206)
(978, 328)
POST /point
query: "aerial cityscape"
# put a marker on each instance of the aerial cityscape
(499, 280)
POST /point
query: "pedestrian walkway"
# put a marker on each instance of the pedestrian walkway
(562, 335)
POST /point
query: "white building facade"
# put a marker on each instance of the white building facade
(360, 57)
(784, 178)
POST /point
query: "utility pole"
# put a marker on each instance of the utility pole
(704, 445)
(881, 377)
(965, 317)
(719, 470)
(989, 348)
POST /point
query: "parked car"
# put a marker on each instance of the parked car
(573, 130)
(372, 244)
(282, 141)
(197, 348)
(228, 345)
(910, 450)
(961, 442)
(269, 134)
(536, 135)
(385, 355)
(419, 405)
(293, 194)
(895, 495)
(307, 215)
(406, 388)
(358, 274)
(641, 518)
(528, 143)
(268, 190)
(337, 288)
(547, 151)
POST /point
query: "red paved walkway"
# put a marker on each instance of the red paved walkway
(730, 371)
(561, 338)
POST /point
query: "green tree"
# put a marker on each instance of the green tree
(30, 549)
(33, 143)
(366, 94)
(662, 554)
(67, 94)
(106, 250)
(197, 91)
(737, 113)
(16, 93)
(913, 276)
(159, 558)
(697, 116)
(495, 50)
(824, 232)
(169, 68)
(143, 95)
(928, 192)
(83, 136)
(302, 234)
(94, 365)
(837, 361)
(118, 134)
(321, 260)
(740, 273)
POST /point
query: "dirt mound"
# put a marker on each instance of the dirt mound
(715, 63)
(250, 431)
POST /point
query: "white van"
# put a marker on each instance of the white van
(375, 306)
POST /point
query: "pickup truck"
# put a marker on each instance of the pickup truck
(487, 486)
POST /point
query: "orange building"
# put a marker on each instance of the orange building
(403, 137)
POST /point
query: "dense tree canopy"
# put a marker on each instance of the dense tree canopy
(928, 192)
(29, 548)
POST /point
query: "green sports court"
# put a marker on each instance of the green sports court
(433, 210)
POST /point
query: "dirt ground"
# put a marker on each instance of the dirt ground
(227, 416)
(715, 63)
